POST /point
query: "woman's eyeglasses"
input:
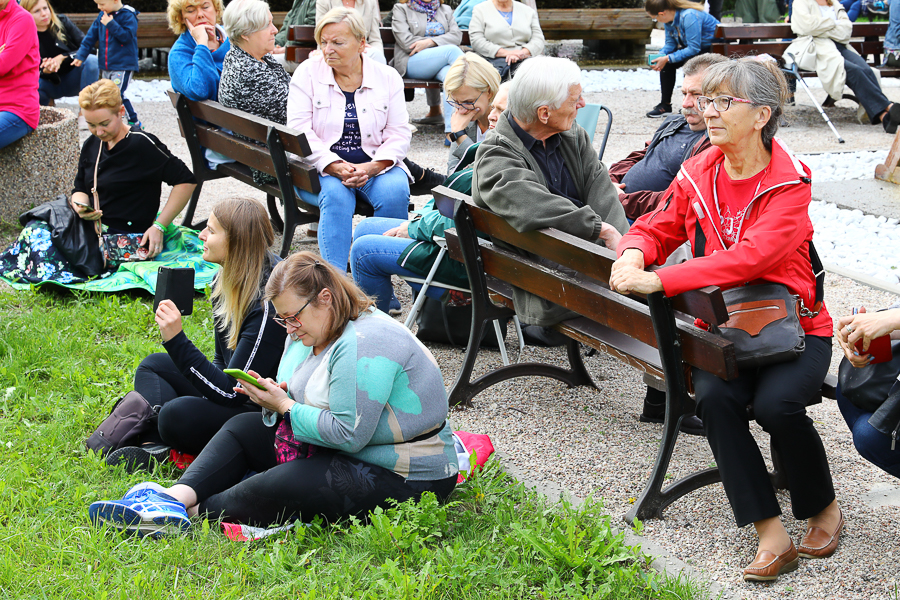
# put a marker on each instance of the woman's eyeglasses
(464, 105)
(720, 103)
(292, 319)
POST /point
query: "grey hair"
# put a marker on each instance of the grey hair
(701, 62)
(759, 81)
(541, 81)
(342, 14)
(244, 17)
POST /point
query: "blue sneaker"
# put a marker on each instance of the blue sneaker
(395, 307)
(145, 510)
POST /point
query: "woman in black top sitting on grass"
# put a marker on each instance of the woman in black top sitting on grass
(195, 395)
(133, 164)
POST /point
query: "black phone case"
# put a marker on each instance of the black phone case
(175, 284)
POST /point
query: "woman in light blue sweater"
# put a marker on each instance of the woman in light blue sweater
(362, 410)
(195, 60)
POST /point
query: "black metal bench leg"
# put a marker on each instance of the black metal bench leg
(188, 219)
(580, 375)
(462, 390)
(290, 224)
(653, 500)
(274, 217)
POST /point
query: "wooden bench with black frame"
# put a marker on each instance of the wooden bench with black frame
(654, 334)
(304, 40)
(734, 41)
(202, 125)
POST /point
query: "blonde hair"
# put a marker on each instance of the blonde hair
(306, 274)
(248, 235)
(175, 13)
(472, 70)
(339, 15)
(56, 26)
(655, 7)
(103, 93)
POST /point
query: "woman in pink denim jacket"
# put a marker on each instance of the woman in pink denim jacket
(353, 113)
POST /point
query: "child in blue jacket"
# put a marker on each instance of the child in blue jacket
(689, 32)
(114, 31)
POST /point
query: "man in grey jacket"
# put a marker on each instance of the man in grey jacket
(536, 170)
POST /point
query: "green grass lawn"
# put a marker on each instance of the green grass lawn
(64, 359)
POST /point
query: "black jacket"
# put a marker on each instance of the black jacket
(259, 349)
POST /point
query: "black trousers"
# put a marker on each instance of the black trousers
(864, 83)
(667, 80)
(187, 420)
(329, 484)
(779, 394)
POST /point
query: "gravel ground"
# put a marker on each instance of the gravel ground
(594, 443)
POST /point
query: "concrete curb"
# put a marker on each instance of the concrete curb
(663, 561)
(862, 278)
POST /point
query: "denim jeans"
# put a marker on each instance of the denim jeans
(892, 37)
(388, 194)
(433, 63)
(71, 83)
(871, 444)
(373, 259)
(12, 128)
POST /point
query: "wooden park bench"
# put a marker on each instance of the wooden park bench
(654, 334)
(748, 40)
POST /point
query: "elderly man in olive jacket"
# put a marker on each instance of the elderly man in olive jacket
(538, 169)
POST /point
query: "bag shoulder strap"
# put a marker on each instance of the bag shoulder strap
(97, 226)
(818, 270)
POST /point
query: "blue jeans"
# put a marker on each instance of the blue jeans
(388, 194)
(853, 8)
(12, 128)
(871, 444)
(373, 259)
(71, 83)
(433, 63)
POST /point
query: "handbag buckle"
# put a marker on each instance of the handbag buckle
(804, 311)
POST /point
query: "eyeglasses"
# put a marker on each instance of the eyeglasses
(292, 319)
(720, 103)
(464, 105)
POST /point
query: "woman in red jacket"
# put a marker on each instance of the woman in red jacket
(19, 59)
(748, 197)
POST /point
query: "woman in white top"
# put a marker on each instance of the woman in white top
(823, 29)
(505, 33)
(371, 16)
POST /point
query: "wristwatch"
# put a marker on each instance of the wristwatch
(457, 134)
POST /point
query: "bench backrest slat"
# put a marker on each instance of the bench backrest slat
(577, 254)
(598, 303)
(255, 128)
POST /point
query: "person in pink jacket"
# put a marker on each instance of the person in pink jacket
(19, 59)
(353, 113)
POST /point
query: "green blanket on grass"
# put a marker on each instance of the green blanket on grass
(32, 260)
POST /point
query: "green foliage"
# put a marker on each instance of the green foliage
(64, 359)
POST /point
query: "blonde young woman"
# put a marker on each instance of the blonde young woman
(689, 32)
(505, 33)
(196, 57)
(194, 395)
(823, 29)
(59, 40)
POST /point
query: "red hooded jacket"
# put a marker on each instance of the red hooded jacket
(774, 235)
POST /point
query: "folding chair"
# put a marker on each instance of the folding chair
(429, 281)
(589, 116)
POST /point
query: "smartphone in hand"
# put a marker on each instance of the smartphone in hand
(242, 376)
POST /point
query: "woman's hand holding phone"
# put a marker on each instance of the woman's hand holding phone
(274, 397)
(168, 317)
